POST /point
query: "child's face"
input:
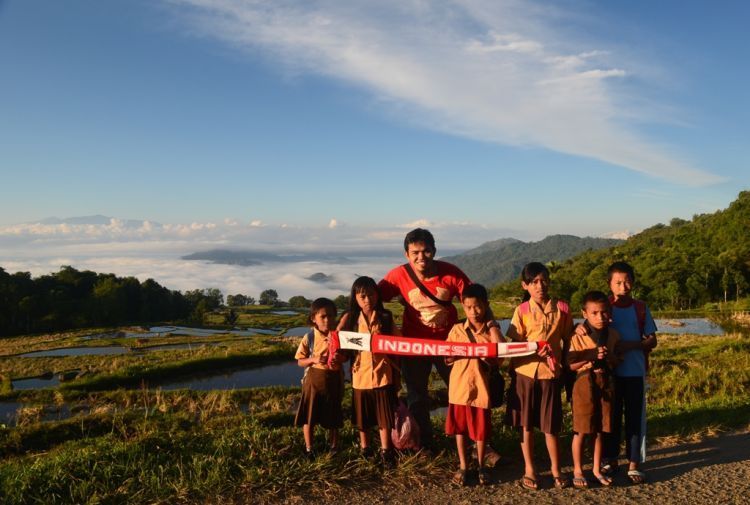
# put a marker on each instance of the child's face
(597, 314)
(620, 284)
(475, 310)
(367, 300)
(324, 320)
(538, 288)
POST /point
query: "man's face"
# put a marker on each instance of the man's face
(420, 257)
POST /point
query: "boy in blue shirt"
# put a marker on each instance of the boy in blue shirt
(632, 320)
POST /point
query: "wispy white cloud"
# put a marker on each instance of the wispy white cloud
(495, 70)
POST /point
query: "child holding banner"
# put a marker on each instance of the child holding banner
(534, 399)
(375, 377)
(468, 390)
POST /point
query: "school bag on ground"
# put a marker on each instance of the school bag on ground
(405, 431)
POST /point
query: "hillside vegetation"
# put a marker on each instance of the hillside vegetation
(502, 260)
(683, 265)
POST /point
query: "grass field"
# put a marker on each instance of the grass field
(153, 446)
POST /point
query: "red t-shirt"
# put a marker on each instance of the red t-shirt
(424, 318)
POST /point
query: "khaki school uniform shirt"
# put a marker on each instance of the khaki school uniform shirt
(540, 323)
(320, 347)
(579, 344)
(469, 383)
(373, 370)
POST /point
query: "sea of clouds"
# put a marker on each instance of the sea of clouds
(147, 249)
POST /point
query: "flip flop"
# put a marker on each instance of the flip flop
(603, 480)
(580, 482)
(529, 483)
(460, 478)
(636, 476)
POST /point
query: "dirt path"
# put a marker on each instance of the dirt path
(716, 470)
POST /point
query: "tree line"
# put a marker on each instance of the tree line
(71, 298)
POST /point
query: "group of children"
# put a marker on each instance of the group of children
(603, 361)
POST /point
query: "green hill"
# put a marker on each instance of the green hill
(683, 265)
(502, 260)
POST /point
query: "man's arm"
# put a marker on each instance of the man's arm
(388, 288)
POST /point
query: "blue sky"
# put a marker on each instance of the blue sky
(517, 118)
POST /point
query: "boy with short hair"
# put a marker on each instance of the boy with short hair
(468, 389)
(632, 320)
(592, 357)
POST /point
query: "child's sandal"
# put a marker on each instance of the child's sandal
(636, 476)
(529, 483)
(460, 478)
(580, 482)
(604, 480)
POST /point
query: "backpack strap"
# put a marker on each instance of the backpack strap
(640, 314)
(423, 288)
(524, 308)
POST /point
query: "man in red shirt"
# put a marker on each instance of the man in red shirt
(428, 313)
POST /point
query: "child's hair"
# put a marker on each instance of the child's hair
(531, 270)
(594, 297)
(361, 284)
(529, 273)
(622, 268)
(475, 291)
(419, 235)
(321, 303)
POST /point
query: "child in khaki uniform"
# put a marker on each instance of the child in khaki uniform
(593, 357)
(468, 389)
(323, 386)
(375, 377)
(534, 399)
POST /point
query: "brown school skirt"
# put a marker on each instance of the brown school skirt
(322, 391)
(592, 403)
(374, 407)
(534, 403)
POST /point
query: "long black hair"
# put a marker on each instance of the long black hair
(361, 284)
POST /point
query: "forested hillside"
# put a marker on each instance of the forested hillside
(75, 299)
(502, 260)
(685, 264)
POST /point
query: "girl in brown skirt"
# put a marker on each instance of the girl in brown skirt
(322, 386)
(375, 377)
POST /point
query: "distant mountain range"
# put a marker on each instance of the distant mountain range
(502, 260)
(250, 258)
